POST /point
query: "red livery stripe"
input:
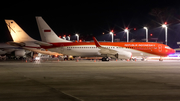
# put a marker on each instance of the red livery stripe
(47, 30)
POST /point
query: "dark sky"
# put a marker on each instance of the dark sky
(88, 18)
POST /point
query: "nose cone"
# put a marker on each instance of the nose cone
(172, 51)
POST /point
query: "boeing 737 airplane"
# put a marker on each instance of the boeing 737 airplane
(120, 50)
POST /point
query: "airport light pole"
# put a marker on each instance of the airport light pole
(165, 27)
(77, 37)
(146, 33)
(68, 37)
(112, 35)
(64, 37)
(127, 31)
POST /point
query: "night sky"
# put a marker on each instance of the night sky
(89, 18)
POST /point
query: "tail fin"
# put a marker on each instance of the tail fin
(47, 34)
(17, 33)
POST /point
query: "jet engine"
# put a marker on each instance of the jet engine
(123, 55)
(20, 53)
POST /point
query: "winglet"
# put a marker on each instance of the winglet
(96, 42)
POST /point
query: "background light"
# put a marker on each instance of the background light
(164, 25)
(145, 27)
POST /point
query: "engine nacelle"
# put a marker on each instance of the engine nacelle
(20, 53)
(2, 52)
(123, 55)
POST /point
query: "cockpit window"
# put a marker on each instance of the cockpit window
(167, 47)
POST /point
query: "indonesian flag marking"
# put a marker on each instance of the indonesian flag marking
(47, 30)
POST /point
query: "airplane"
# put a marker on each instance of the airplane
(23, 40)
(118, 50)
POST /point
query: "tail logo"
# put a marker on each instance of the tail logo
(10, 27)
(47, 30)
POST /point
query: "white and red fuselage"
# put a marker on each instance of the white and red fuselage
(89, 48)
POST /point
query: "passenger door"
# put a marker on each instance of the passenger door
(160, 48)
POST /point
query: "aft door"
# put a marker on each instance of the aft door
(160, 48)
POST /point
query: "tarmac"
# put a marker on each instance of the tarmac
(87, 80)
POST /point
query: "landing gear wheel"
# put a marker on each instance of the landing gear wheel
(105, 59)
(160, 59)
(142, 59)
(134, 59)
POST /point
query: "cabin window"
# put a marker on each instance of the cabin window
(167, 47)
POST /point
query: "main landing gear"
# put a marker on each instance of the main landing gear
(161, 59)
(105, 59)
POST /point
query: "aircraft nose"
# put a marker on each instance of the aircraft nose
(173, 51)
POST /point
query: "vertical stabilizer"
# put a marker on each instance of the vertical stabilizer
(47, 34)
(17, 33)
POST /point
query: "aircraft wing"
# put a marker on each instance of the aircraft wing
(103, 49)
(23, 44)
(42, 51)
(42, 43)
(112, 53)
(15, 43)
(107, 51)
(35, 49)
